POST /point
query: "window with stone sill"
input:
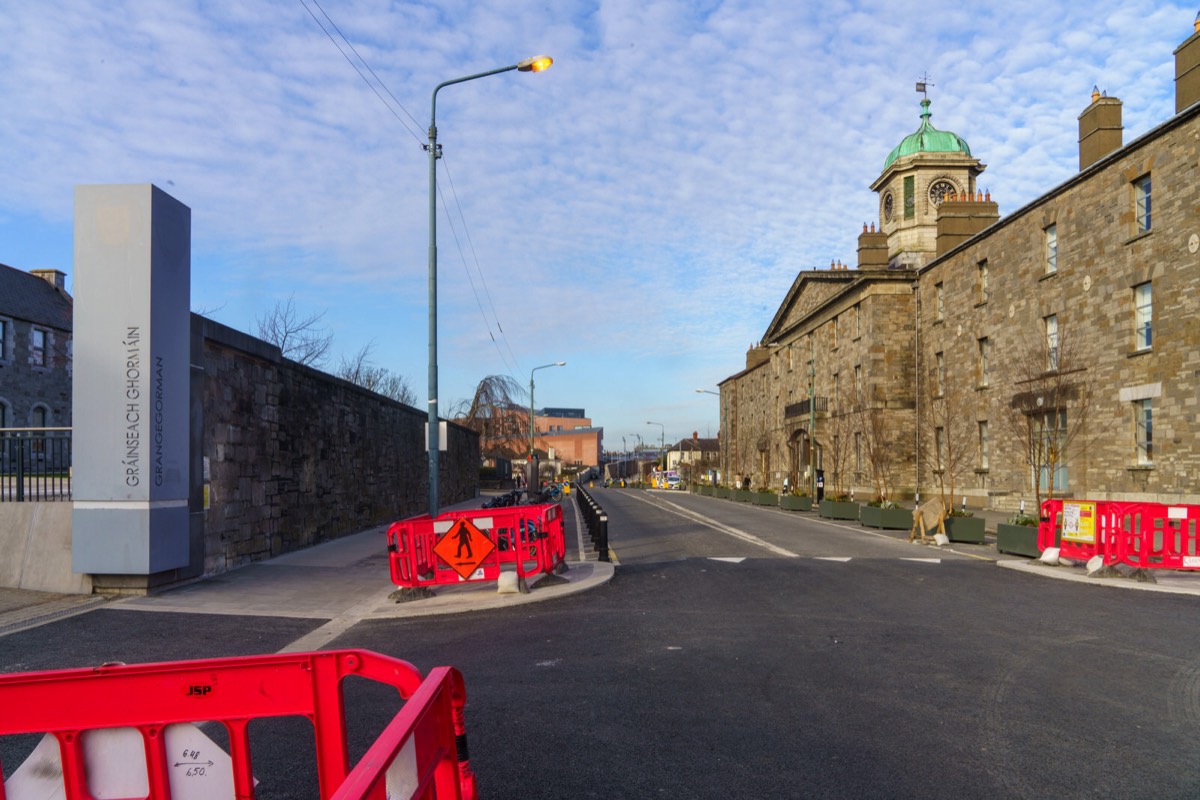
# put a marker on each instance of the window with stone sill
(1142, 205)
(983, 445)
(1143, 432)
(1143, 317)
(1050, 325)
(37, 347)
(984, 353)
(1050, 248)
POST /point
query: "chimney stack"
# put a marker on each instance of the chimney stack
(872, 249)
(1099, 129)
(54, 277)
(1187, 70)
(961, 218)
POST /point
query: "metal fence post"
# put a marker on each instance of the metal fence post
(20, 470)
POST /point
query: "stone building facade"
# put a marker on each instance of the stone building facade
(35, 349)
(950, 331)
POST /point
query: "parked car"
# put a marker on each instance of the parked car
(674, 482)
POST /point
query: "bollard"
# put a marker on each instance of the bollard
(602, 538)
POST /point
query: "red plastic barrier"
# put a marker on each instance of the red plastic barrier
(1049, 524)
(428, 730)
(1160, 536)
(530, 538)
(1145, 535)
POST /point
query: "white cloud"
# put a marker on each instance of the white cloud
(639, 210)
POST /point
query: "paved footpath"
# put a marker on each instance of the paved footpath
(343, 581)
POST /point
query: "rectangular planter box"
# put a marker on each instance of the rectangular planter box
(835, 509)
(766, 499)
(965, 529)
(722, 492)
(1021, 540)
(743, 495)
(705, 491)
(896, 519)
(791, 502)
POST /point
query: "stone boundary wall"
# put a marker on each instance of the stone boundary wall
(293, 456)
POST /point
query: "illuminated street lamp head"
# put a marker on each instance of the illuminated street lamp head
(535, 64)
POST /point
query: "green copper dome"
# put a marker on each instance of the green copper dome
(928, 139)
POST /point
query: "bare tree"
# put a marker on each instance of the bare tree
(878, 446)
(205, 311)
(836, 449)
(1054, 397)
(948, 444)
(300, 338)
(493, 413)
(361, 372)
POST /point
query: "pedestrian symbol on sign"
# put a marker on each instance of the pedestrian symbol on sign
(464, 547)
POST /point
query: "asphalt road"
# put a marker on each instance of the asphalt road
(745, 652)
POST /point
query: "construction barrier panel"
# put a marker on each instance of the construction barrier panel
(1159, 536)
(1143, 535)
(421, 753)
(475, 544)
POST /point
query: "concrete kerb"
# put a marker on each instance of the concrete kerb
(1165, 581)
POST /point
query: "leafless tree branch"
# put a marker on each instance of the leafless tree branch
(300, 338)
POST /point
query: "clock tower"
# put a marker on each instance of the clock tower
(919, 174)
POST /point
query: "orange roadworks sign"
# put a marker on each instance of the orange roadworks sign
(464, 547)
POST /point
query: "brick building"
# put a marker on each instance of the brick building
(564, 435)
(1050, 348)
(35, 349)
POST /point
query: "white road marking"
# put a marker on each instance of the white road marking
(716, 526)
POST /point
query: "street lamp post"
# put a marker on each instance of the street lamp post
(662, 440)
(812, 419)
(535, 64)
(535, 369)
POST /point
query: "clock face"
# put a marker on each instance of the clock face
(888, 206)
(940, 190)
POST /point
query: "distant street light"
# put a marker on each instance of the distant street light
(535, 369)
(535, 64)
(662, 440)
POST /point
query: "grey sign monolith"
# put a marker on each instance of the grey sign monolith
(131, 380)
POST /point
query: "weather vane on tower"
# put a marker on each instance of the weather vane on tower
(923, 83)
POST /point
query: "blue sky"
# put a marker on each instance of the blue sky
(639, 210)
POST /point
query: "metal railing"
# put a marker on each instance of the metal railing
(35, 464)
(802, 408)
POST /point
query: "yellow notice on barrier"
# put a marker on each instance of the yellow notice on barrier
(1079, 522)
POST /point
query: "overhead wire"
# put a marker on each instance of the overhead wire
(470, 279)
(350, 61)
(510, 364)
(478, 267)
